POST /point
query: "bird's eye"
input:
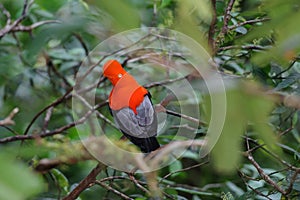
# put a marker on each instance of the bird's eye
(119, 75)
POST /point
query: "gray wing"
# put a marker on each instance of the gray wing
(145, 113)
(142, 125)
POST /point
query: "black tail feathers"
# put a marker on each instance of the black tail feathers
(145, 144)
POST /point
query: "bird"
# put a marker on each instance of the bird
(131, 107)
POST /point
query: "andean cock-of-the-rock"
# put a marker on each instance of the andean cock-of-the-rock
(131, 107)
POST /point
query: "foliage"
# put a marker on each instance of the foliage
(254, 45)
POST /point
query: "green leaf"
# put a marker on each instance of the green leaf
(17, 181)
(286, 31)
(165, 3)
(188, 13)
(296, 185)
(226, 151)
(171, 191)
(296, 135)
(288, 81)
(296, 153)
(53, 5)
(62, 54)
(190, 191)
(124, 15)
(141, 198)
(234, 188)
(258, 109)
(175, 166)
(241, 30)
(295, 119)
(61, 179)
(191, 155)
(65, 66)
(245, 104)
(227, 196)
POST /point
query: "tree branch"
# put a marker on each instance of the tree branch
(184, 169)
(117, 192)
(47, 118)
(252, 21)
(55, 103)
(87, 182)
(192, 119)
(261, 172)
(292, 181)
(242, 175)
(9, 119)
(51, 66)
(10, 26)
(164, 82)
(21, 28)
(227, 17)
(84, 46)
(47, 133)
(212, 27)
(137, 183)
(157, 156)
(247, 47)
(6, 13)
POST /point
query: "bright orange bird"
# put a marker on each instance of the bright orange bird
(131, 107)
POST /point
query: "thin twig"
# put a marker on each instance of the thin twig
(170, 97)
(137, 183)
(100, 115)
(21, 28)
(47, 133)
(51, 66)
(117, 192)
(192, 119)
(227, 17)
(185, 126)
(45, 164)
(274, 155)
(54, 132)
(246, 47)
(292, 181)
(55, 103)
(242, 175)
(84, 46)
(10, 26)
(157, 156)
(154, 17)
(9, 119)
(19, 45)
(285, 70)
(47, 118)
(261, 172)
(212, 27)
(111, 178)
(91, 87)
(286, 131)
(164, 82)
(11, 130)
(6, 13)
(252, 21)
(87, 182)
(90, 69)
(189, 187)
(184, 169)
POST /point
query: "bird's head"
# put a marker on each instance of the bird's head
(113, 70)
